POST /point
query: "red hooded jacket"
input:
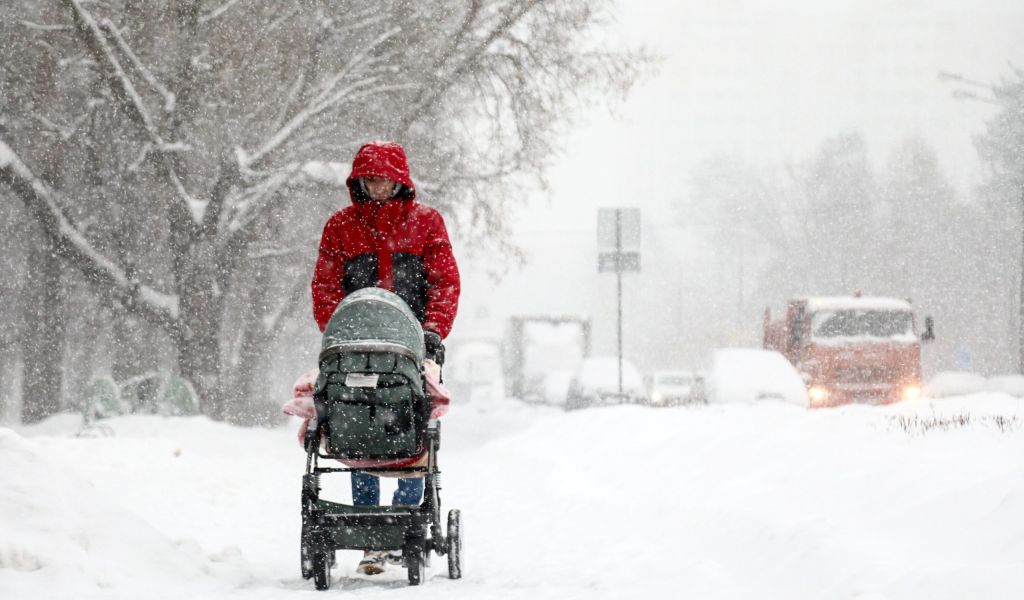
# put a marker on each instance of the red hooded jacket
(399, 245)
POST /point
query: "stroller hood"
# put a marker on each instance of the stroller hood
(374, 319)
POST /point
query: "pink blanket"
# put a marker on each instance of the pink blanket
(301, 405)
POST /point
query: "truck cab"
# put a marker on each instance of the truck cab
(851, 348)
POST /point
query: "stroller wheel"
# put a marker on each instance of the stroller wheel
(306, 562)
(322, 570)
(454, 543)
(414, 560)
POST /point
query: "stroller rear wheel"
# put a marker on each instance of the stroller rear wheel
(454, 543)
(306, 562)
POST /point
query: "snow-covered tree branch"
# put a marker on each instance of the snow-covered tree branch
(158, 308)
(197, 132)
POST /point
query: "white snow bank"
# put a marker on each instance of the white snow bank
(744, 501)
(953, 383)
(958, 383)
(978, 406)
(724, 501)
(61, 534)
(1012, 385)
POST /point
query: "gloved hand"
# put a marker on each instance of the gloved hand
(435, 349)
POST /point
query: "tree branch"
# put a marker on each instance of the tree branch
(226, 179)
(190, 209)
(116, 76)
(44, 27)
(429, 95)
(298, 293)
(213, 14)
(157, 308)
(328, 97)
(111, 30)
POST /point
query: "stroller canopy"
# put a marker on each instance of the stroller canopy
(374, 319)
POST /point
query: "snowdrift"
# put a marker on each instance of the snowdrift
(947, 384)
(61, 534)
(736, 501)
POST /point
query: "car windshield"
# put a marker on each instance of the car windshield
(862, 323)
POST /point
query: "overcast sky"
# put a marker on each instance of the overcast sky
(764, 81)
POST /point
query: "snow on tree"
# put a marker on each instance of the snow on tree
(161, 146)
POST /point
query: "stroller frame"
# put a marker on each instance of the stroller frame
(415, 530)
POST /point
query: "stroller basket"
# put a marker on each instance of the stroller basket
(371, 402)
(370, 395)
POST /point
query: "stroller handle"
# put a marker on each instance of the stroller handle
(368, 346)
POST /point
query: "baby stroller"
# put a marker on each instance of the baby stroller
(373, 414)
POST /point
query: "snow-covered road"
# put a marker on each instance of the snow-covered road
(764, 501)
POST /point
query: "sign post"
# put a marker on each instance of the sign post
(618, 240)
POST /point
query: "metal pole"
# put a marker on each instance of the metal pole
(1020, 299)
(618, 277)
(739, 289)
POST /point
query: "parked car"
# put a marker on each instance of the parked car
(473, 372)
(669, 388)
(738, 375)
(556, 386)
(596, 383)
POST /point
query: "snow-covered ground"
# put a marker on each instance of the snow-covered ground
(918, 500)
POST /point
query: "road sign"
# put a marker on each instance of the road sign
(618, 229)
(618, 262)
(618, 241)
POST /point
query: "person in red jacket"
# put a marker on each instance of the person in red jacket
(387, 239)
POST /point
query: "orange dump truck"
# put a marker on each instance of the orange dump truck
(852, 348)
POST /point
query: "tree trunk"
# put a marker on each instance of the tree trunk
(249, 403)
(43, 341)
(198, 329)
(8, 364)
(198, 343)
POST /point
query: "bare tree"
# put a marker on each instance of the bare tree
(1001, 148)
(193, 120)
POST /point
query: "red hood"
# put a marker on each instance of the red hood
(381, 159)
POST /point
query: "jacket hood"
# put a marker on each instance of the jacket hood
(380, 159)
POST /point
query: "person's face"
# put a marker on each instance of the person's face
(380, 189)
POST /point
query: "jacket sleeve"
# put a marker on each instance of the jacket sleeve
(327, 276)
(443, 284)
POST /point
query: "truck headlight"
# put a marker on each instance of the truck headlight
(817, 394)
(911, 392)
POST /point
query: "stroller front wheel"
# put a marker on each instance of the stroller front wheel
(322, 570)
(415, 562)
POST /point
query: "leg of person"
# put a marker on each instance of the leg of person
(365, 489)
(408, 493)
(366, 492)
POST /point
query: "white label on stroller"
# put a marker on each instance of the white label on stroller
(361, 380)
